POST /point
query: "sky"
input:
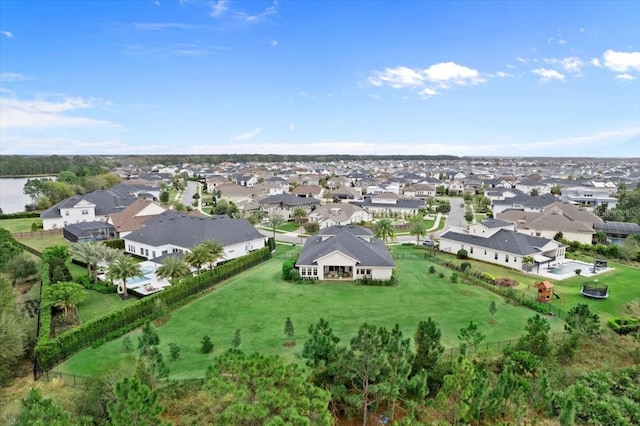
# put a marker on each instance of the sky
(415, 77)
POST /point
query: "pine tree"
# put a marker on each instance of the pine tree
(36, 410)
(288, 328)
(493, 308)
(568, 412)
(136, 404)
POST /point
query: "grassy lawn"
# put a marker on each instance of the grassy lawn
(41, 243)
(623, 283)
(258, 302)
(97, 304)
(20, 225)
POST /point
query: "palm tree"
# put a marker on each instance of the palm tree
(215, 249)
(198, 256)
(109, 255)
(528, 262)
(384, 229)
(418, 228)
(600, 237)
(65, 296)
(274, 222)
(172, 268)
(122, 269)
(90, 253)
(299, 214)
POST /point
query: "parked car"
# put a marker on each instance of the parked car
(428, 243)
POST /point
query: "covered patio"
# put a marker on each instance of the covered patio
(335, 272)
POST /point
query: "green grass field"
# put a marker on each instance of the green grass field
(97, 304)
(258, 302)
(20, 225)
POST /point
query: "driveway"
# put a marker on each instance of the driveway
(187, 197)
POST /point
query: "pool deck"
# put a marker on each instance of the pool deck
(587, 271)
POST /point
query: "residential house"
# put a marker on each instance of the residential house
(496, 241)
(285, 204)
(575, 224)
(419, 190)
(244, 179)
(308, 191)
(133, 216)
(528, 186)
(501, 193)
(332, 214)
(346, 193)
(90, 207)
(345, 252)
(235, 193)
(523, 202)
(174, 232)
(392, 204)
(456, 187)
(589, 196)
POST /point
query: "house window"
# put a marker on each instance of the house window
(153, 254)
(303, 271)
(141, 251)
(471, 249)
(85, 212)
(495, 256)
(66, 213)
(538, 234)
(506, 258)
(314, 271)
(485, 252)
(165, 252)
(65, 223)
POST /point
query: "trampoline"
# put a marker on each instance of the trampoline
(595, 290)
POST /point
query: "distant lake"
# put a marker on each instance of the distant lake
(12, 199)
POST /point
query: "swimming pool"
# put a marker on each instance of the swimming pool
(137, 280)
(570, 268)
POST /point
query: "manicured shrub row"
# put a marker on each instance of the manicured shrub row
(115, 324)
(20, 215)
(100, 287)
(624, 325)
(382, 283)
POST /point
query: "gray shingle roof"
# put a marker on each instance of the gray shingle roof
(528, 200)
(503, 240)
(495, 223)
(187, 231)
(106, 202)
(367, 253)
(289, 200)
(402, 203)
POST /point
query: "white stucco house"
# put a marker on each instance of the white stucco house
(331, 214)
(345, 253)
(174, 232)
(496, 241)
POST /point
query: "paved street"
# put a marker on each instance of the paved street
(456, 215)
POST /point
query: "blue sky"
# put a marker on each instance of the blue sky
(337, 77)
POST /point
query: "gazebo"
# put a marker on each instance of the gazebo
(545, 290)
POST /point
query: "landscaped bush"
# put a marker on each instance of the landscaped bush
(488, 278)
(100, 287)
(287, 266)
(506, 282)
(50, 352)
(432, 269)
(383, 283)
(624, 325)
(464, 266)
(462, 254)
(116, 244)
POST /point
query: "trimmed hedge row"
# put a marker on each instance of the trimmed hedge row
(51, 352)
(624, 325)
(20, 215)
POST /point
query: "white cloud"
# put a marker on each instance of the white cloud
(503, 74)
(39, 113)
(7, 34)
(450, 72)
(248, 18)
(7, 77)
(306, 95)
(248, 135)
(219, 8)
(547, 74)
(291, 127)
(624, 77)
(561, 41)
(596, 62)
(273, 43)
(621, 61)
(571, 64)
(428, 92)
(522, 61)
(443, 75)
(398, 78)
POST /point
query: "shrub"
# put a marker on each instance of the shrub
(174, 351)
(441, 275)
(206, 345)
(624, 325)
(383, 283)
(578, 271)
(488, 278)
(311, 227)
(464, 266)
(432, 269)
(462, 254)
(287, 266)
(116, 244)
(454, 277)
